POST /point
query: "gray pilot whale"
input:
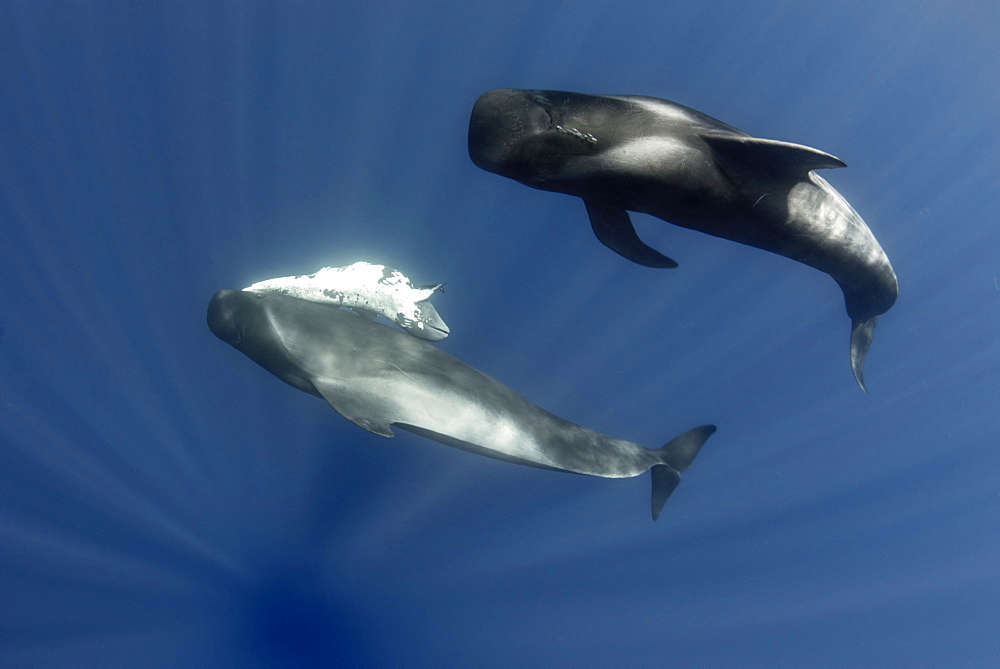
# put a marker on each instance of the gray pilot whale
(625, 153)
(376, 376)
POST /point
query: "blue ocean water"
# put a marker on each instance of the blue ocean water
(165, 502)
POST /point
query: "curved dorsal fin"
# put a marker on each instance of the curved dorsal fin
(774, 157)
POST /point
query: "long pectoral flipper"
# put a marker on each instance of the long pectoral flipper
(613, 227)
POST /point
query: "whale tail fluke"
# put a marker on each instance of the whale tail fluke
(861, 341)
(675, 457)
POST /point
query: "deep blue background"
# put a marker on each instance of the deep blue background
(165, 502)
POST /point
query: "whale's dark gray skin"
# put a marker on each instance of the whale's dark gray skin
(376, 376)
(625, 153)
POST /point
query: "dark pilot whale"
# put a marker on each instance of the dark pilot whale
(625, 153)
(376, 376)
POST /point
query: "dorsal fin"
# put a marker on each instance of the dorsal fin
(777, 158)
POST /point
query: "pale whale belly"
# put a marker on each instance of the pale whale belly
(498, 422)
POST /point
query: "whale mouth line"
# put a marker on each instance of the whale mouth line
(434, 333)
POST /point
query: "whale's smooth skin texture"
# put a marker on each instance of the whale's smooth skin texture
(376, 377)
(624, 153)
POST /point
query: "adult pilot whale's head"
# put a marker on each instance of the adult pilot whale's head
(227, 313)
(246, 320)
(531, 136)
